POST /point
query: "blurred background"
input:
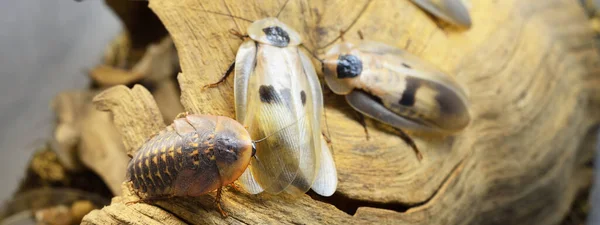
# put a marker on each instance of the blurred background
(45, 48)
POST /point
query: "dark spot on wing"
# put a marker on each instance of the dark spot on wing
(277, 36)
(408, 96)
(303, 97)
(406, 65)
(267, 94)
(348, 66)
(448, 100)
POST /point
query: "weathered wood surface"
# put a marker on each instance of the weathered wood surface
(531, 72)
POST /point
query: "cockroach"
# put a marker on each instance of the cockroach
(452, 11)
(195, 155)
(276, 83)
(395, 87)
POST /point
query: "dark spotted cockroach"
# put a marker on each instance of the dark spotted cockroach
(195, 155)
(396, 88)
(275, 84)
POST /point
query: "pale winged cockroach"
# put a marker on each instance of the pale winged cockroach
(276, 83)
(452, 11)
(195, 155)
(395, 87)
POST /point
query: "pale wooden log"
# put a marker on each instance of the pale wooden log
(101, 148)
(68, 110)
(158, 63)
(84, 136)
(531, 73)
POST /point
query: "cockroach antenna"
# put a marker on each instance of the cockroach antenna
(312, 53)
(225, 14)
(283, 7)
(350, 26)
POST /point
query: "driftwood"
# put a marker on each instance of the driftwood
(531, 72)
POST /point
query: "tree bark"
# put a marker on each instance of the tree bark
(530, 68)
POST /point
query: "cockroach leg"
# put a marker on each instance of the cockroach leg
(235, 187)
(438, 23)
(149, 199)
(223, 78)
(360, 35)
(218, 202)
(238, 34)
(182, 115)
(407, 44)
(410, 142)
(361, 120)
(327, 139)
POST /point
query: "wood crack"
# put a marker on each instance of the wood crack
(350, 205)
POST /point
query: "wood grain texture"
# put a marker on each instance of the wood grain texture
(530, 69)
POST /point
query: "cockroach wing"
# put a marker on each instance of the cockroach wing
(365, 104)
(443, 100)
(326, 181)
(248, 182)
(452, 11)
(420, 68)
(244, 63)
(279, 105)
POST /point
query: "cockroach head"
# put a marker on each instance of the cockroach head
(271, 31)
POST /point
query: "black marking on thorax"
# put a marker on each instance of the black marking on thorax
(348, 66)
(277, 36)
(408, 96)
(226, 148)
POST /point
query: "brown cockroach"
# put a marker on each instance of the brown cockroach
(195, 155)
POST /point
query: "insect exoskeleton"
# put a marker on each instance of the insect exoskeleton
(276, 84)
(195, 155)
(452, 11)
(396, 87)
